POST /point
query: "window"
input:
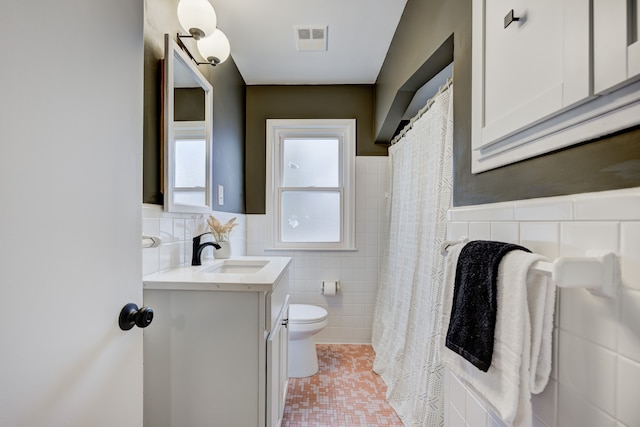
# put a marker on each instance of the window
(310, 183)
(190, 164)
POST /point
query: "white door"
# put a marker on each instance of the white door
(70, 212)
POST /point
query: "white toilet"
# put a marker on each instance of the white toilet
(304, 322)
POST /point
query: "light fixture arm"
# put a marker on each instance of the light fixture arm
(186, 49)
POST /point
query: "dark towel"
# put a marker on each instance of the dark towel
(473, 313)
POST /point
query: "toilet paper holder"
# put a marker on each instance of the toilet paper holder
(330, 287)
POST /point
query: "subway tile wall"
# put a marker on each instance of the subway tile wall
(595, 379)
(351, 310)
(177, 231)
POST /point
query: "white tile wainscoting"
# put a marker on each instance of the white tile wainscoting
(177, 231)
(595, 380)
(351, 310)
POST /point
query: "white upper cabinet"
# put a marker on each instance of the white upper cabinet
(616, 50)
(540, 70)
(532, 67)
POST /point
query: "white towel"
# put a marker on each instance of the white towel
(521, 361)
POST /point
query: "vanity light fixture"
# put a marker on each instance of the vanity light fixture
(199, 19)
(215, 48)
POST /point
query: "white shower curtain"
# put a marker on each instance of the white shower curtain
(406, 319)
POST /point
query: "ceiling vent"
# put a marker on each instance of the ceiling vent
(311, 38)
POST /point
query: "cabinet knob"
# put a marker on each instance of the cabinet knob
(509, 18)
(131, 316)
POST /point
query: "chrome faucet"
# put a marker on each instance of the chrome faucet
(198, 247)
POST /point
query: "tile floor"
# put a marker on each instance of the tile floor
(344, 393)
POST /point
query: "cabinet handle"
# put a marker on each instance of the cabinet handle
(509, 18)
(285, 323)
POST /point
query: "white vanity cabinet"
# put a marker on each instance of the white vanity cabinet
(547, 74)
(217, 353)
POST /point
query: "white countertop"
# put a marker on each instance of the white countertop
(197, 277)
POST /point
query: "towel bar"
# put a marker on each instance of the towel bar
(598, 271)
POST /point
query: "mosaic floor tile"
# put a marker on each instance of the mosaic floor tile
(344, 393)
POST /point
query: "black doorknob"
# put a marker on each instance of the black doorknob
(131, 316)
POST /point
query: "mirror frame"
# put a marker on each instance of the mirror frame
(174, 53)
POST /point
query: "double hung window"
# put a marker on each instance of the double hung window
(310, 179)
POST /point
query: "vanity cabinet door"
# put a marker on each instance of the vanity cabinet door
(616, 49)
(532, 67)
(278, 368)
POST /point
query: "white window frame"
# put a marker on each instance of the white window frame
(345, 131)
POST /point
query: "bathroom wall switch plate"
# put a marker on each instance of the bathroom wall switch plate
(220, 195)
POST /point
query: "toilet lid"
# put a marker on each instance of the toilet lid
(303, 313)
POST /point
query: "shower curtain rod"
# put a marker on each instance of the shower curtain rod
(422, 111)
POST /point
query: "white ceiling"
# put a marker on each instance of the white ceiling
(263, 44)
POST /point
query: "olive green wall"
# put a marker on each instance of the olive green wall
(228, 113)
(302, 102)
(421, 47)
(433, 32)
(188, 104)
(229, 92)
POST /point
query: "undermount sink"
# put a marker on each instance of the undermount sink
(236, 267)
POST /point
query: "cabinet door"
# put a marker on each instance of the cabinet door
(277, 368)
(530, 69)
(283, 381)
(616, 49)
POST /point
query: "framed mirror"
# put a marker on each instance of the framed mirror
(188, 118)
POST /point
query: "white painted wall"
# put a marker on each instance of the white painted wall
(596, 364)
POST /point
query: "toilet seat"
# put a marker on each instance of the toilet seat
(305, 314)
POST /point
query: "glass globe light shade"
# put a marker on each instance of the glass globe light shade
(197, 17)
(215, 48)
